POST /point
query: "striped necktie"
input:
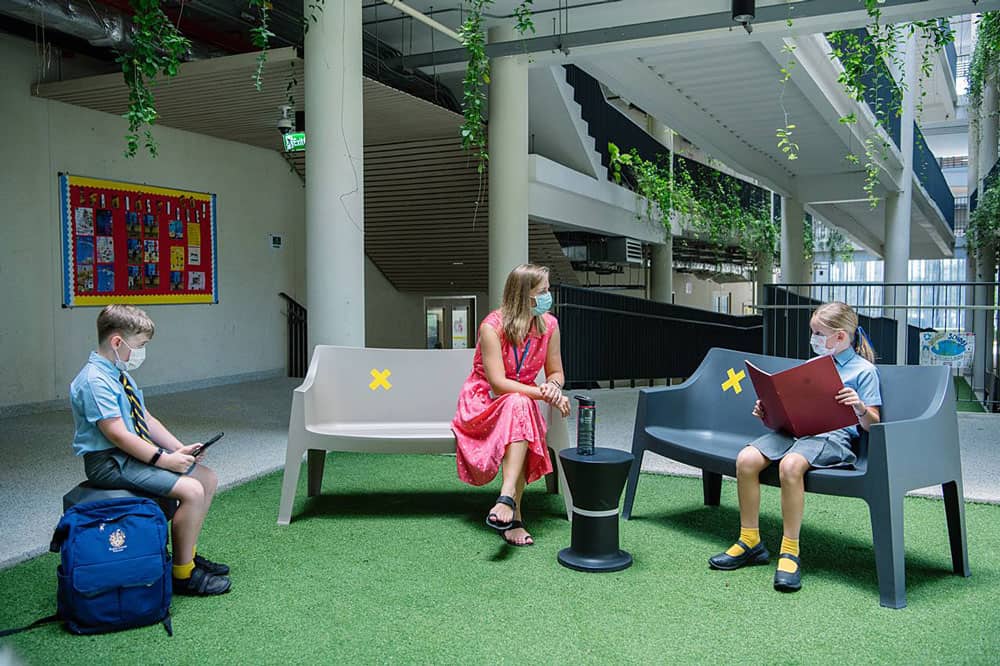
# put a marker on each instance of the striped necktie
(138, 420)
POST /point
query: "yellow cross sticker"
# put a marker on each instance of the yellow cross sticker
(380, 380)
(734, 381)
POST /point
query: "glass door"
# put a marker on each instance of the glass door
(450, 322)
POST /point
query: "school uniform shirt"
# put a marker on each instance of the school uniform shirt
(97, 394)
(859, 374)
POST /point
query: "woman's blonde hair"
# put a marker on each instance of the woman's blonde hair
(841, 316)
(515, 310)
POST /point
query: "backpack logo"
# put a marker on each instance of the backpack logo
(117, 541)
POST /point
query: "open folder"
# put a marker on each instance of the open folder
(802, 400)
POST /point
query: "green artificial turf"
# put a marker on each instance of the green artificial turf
(967, 400)
(394, 565)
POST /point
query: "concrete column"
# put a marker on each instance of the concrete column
(508, 174)
(985, 260)
(335, 243)
(899, 206)
(765, 275)
(793, 264)
(988, 127)
(972, 184)
(662, 267)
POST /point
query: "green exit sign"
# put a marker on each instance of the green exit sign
(294, 141)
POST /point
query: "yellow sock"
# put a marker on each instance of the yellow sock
(748, 535)
(183, 571)
(790, 546)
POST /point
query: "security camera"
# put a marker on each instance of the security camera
(286, 123)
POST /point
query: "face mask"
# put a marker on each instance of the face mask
(543, 302)
(818, 343)
(135, 359)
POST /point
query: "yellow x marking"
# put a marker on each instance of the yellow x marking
(380, 379)
(734, 381)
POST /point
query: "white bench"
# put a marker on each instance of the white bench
(384, 401)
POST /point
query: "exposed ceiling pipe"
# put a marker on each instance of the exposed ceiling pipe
(426, 20)
(101, 26)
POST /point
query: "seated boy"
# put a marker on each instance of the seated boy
(124, 446)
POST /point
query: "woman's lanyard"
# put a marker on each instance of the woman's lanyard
(520, 360)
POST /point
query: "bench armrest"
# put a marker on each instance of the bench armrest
(917, 452)
(659, 405)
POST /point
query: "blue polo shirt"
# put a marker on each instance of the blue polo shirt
(857, 373)
(97, 394)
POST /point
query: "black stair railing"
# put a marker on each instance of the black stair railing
(298, 341)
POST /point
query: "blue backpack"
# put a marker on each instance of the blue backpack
(115, 571)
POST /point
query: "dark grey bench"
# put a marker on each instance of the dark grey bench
(701, 424)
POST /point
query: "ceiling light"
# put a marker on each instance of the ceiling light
(743, 11)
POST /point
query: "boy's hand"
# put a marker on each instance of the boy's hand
(848, 396)
(193, 450)
(177, 461)
(758, 410)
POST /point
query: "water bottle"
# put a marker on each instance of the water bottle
(586, 417)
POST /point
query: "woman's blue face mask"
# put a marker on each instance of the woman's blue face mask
(543, 303)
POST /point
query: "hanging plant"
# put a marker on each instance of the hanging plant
(260, 36)
(711, 209)
(786, 142)
(477, 74)
(983, 229)
(157, 48)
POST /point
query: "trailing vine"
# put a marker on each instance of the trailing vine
(984, 222)
(983, 230)
(836, 245)
(157, 48)
(260, 36)
(786, 143)
(711, 209)
(477, 74)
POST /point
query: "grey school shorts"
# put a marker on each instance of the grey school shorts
(830, 449)
(113, 468)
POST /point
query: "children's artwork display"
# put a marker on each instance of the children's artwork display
(119, 238)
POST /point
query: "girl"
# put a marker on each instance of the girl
(835, 332)
(497, 418)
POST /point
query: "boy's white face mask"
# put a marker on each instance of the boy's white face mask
(818, 343)
(135, 359)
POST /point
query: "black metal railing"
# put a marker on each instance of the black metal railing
(614, 338)
(298, 340)
(605, 124)
(932, 311)
(926, 166)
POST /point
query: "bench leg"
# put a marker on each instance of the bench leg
(316, 462)
(290, 482)
(711, 486)
(954, 508)
(552, 479)
(887, 537)
(632, 483)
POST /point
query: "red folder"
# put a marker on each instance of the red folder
(802, 400)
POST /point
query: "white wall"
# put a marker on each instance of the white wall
(43, 345)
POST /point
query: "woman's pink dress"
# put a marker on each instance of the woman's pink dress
(485, 426)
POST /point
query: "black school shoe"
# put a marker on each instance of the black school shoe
(201, 584)
(726, 562)
(211, 567)
(788, 582)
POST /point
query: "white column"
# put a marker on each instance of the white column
(662, 266)
(508, 168)
(988, 127)
(793, 263)
(335, 244)
(765, 275)
(972, 184)
(984, 260)
(899, 206)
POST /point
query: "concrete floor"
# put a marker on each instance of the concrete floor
(39, 465)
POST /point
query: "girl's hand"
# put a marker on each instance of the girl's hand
(848, 396)
(550, 393)
(758, 410)
(563, 405)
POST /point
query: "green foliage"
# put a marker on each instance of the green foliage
(710, 208)
(477, 74)
(836, 245)
(157, 48)
(864, 65)
(984, 57)
(784, 134)
(260, 35)
(984, 223)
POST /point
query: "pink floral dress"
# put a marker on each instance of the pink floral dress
(484, 426)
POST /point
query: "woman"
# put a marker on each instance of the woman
(498, 420)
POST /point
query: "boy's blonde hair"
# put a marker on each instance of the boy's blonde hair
(841, 316)
(515, 310)
(124, 320)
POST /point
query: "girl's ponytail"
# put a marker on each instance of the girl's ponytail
(863, 345)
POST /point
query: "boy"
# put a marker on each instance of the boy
(124, 446)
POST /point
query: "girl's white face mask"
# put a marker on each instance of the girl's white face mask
(818, 343)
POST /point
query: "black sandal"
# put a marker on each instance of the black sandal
(514, 524)
(491, 520)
